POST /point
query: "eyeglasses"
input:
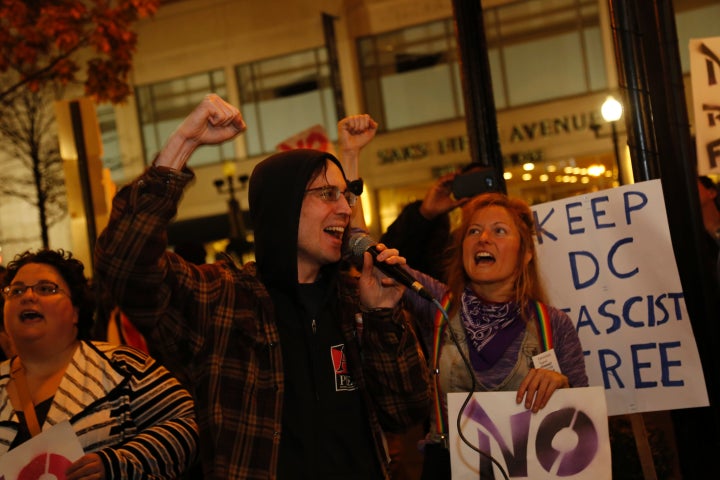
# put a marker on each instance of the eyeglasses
(42, 289)
(332, 193)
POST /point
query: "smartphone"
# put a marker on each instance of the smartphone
(474, 183)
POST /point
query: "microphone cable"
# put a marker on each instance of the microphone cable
(470, 394)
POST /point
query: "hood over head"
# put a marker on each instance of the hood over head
(276, 192)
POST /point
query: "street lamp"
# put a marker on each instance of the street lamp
(238, 238)
(611, 111)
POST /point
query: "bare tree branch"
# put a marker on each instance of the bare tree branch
(33, 172)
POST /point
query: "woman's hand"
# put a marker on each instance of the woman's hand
(538, 386)
(87, 467)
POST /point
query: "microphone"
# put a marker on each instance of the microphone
(359, 243)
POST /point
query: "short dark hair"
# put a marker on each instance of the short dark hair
(72, 271)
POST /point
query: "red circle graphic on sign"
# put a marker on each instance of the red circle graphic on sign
(45, 463)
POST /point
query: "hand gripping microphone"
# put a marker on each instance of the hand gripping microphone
(360, 243)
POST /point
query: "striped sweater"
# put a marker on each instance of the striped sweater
(123, 406)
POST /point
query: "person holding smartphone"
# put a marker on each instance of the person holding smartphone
(422, 230)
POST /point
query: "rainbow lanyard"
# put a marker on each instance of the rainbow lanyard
(544, 331)
(438, 334)
(543, 323)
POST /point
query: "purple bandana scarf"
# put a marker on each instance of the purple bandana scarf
(489, 328)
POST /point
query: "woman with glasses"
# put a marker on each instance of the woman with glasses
(132, 418)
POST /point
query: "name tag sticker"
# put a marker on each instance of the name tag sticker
(547, 360)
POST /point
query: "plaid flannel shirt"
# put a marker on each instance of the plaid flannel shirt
(213, 326)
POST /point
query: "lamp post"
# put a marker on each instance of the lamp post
(611, 111)
(237, 227)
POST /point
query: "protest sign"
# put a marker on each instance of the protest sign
(569, 438)
(607, 260)
(314, 137)
(705, 81)
(47, 455)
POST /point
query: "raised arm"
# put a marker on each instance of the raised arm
(213, 121)
(421, 232)
(131, 259)
(439, 200)
(354, 132)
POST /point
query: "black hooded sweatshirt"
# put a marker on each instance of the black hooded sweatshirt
(325, 430)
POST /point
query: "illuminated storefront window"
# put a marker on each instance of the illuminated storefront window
(538, 50)
(284, 95)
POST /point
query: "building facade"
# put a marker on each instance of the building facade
(293, 64)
